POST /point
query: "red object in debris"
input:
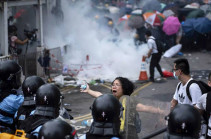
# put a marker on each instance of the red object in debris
(167, 73)
(19, 13)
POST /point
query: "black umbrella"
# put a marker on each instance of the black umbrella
(151, 5)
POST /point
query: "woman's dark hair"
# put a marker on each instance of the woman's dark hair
(209, 77)
(127, 86)
(183, 65)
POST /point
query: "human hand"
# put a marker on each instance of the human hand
(84, 88)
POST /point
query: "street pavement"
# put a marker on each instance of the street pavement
(157, 94)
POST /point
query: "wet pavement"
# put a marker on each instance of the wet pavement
(157, 94)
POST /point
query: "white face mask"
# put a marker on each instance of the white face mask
(176, 77)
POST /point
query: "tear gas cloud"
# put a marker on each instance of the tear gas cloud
(81, 32)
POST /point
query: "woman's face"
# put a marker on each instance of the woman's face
(117, 89)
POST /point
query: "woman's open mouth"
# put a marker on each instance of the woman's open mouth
(114, 92)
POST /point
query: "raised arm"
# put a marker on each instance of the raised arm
(91, 92)
(21, 42)
(150, 109)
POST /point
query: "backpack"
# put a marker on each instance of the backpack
(22, 113)
(32, 122)
(202, 85)
(161, 46)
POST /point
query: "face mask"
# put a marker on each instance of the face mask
(176, 77)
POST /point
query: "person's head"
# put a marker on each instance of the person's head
(181, 67)
(10, 75)
(106, 112)
(29, 88)
(12, 30)
(48, 99)
(209, 79)
(46, 51)
(148, 33)
(184, 122)
(57, 129)
(122, 86)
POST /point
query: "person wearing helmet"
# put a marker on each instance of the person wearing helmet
(106, 113)
(57, 129)
(47, 108)
(184, 122)
(10, 101)
(29, 88)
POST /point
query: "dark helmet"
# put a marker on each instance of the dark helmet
(48, 100)
(106, 108)
(184, 122)
(106, 112)
(31, 84)
(48, 95)
(29, 87)
(10, 73)
(57, 129)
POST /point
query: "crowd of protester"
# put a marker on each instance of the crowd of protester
(187, 12)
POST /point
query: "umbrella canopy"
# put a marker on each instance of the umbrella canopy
(137, 12)
(136, 21)
(175, 6)
(154, 18)
(151, 5)
(170, 6)
(200, 25)
(208, 16)
(168, 13)
(187, 28)
(125, 17)
(123, 22)
(206, 8)
(193, 5)
(183, 12)
(196, 13)
(171, 25)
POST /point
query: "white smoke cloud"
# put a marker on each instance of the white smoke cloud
(83, 35)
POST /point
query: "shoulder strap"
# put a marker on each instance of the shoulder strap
(208, 102)
(153, 39)
(187, 88)
(6, 114)
(179, 86)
